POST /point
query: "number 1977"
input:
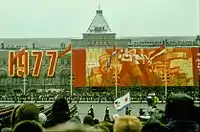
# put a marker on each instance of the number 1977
(22, 63)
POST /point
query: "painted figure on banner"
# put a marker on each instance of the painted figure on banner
(107, 71)
(126, 60)
(102, 75)
(143, 64)
(137, 74)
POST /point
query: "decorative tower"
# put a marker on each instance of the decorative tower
(97, 37)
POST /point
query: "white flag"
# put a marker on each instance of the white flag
(122, 102)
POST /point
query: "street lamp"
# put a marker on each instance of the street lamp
(24, 82)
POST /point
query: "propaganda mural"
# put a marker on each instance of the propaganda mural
(105, 67)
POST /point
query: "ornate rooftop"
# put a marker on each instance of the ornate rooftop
(99, 24)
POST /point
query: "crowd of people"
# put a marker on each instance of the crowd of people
(137, 94)
(29, 118)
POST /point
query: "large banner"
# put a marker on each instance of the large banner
(101, 67)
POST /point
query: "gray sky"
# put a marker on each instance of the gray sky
(70, 18)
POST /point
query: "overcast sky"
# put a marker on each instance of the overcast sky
(70, 18)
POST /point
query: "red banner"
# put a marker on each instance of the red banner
(196, 65)
(79, 67)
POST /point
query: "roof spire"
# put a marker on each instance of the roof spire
(99, 11)
(99, 24)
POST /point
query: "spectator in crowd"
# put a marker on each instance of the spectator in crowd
(108, 125)
(13, 116)
(60, 112)
(197, 114)
(71, 127)
(88, 120)
(152, 126)
(180, 114)
(28, 126)
(76, 119)
(27, 112)
(115, 116)
(12, 120)
(96, 121)
(127, 124)
(42, 118)
(101, 128)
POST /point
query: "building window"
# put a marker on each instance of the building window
(98, 29)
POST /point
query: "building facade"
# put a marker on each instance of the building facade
(99, 34)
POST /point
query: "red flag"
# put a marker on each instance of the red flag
(114, 52)
(18, 54)
(67, 50)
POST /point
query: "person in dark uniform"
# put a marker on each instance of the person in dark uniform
(149, 100)
(92, 110)
(128, 111)
(107, 115)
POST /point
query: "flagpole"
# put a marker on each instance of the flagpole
(71, 86)
(165, 55)
(116, 76)
(24, 84)
(116, 79)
